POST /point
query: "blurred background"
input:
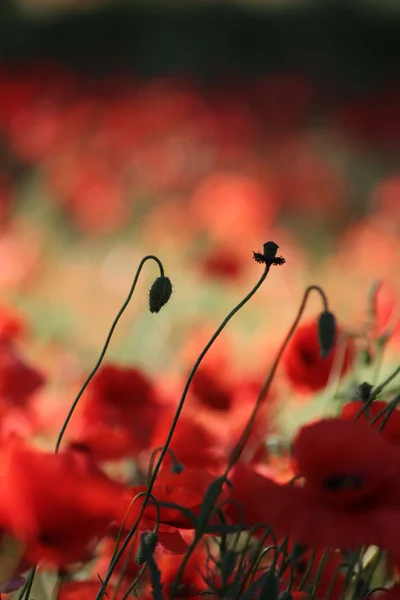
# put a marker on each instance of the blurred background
(196, 131)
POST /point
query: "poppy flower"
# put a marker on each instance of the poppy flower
(186, 489)
(391, 429)
(192, 584)
(126, 567)
(211, 389)
(118, 413)
(392, 593)
(18, 379)
(229, 205)
(306, 370)
(192, 443)
(12, 325)
(349, 495)
(387, 316)
(58, 505)
(223, 263)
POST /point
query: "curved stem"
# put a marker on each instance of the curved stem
(107, 342)
(237, 451)
(265, 388)
(174, 424)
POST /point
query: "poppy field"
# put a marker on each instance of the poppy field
(199, 337)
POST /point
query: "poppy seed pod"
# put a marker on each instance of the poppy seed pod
(160, 293)
(268, 255)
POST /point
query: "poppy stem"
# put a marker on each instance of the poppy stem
(375, 393)
(28, 585)
(106, 344)
(173, 427)
(237, 451)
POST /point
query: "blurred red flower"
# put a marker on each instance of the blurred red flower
(193, 444)
(391, 430)
(58, 505)
(349, 495)
(231, 206)
(192, 584)
(212, 390)
(119, 413)
(18, 379)
(186, 489)
(306, 370)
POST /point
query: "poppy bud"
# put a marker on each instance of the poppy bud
(147, 546)
(160, 293)
(270, 587)
(326, 332)
(364, 391)
(177, 468)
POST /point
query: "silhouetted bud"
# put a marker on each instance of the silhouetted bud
(147, 546)
(364, 391)
(326, 332)
(160, 293)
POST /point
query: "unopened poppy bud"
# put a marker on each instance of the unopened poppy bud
(270, 587)
(147, 546)
(364, 391)
(366, 357)
(326, 332)
(177, 468)
(268, 256)
(160, 293)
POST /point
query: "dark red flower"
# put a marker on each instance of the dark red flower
(12, 325)
(391, 429)
(18, 379)
(58, 505)
(349, 494)
(306, 370)
(211, 389)
(192, 584)
(118, 413)
(186, 489)
(223, 264)
(126, 567)
(392, 593)
(193, 444)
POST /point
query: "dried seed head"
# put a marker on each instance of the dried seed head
(268, 256)
(160, 293)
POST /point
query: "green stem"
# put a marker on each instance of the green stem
(107, 342)
(247, 431)
(173, 427)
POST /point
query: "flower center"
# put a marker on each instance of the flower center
(337, 483)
